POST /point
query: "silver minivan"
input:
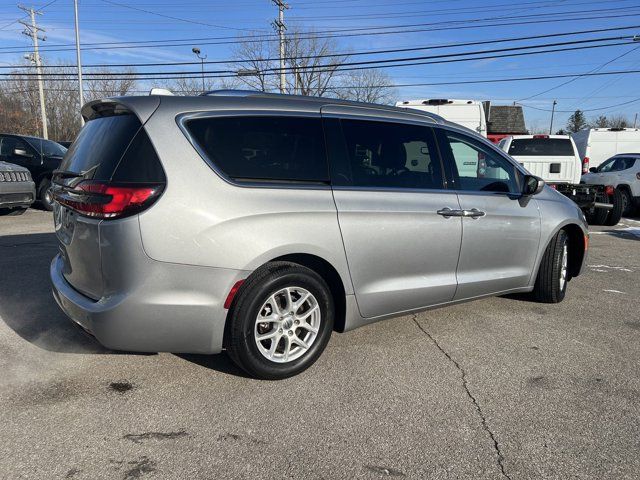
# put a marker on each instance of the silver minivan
(259, 223)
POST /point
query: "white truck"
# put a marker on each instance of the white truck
(468, 113)
(555, 159)
(595, 145)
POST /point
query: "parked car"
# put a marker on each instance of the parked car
(258, 223)
(468, 113)
(65, 144)
(623, 172)
(41, 157)
(17, 191)
(555, 159)
(595, 145)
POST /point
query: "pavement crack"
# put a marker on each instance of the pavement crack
(465, 385)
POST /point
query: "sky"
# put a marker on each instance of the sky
(399, 24)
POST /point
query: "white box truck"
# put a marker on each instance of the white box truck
(468, 113)
(595, 145)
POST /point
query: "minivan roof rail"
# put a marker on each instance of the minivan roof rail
(232, 93)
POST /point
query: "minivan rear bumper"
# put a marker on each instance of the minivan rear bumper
(179, 308)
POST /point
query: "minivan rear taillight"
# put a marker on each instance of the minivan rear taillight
(108, 200)
(585, 165)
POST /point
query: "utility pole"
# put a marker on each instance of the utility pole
(635, 120)
(31, 30)
(553, 110)
(80, 93)
(281, 27)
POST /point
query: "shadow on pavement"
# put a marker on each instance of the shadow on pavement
(221, 363)
(26, 303)
(624, 234)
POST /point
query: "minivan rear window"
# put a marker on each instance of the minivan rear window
(263, 148)
(548, 147)
(114, 148)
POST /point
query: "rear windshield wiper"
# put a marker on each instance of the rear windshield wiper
(67, 173)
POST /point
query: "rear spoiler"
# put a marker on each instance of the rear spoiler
(142, 107)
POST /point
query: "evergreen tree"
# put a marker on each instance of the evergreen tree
(576, 122)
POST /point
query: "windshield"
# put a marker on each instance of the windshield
(543, 147)
(47, 147)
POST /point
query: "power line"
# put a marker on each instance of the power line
(607, 107)
(356, 53)
(341, 33)
(483, 81)
(123, 5)
(406, 61)
(600, 67)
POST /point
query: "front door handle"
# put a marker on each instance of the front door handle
(473, 213)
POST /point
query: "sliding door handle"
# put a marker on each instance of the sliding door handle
(473, 213)
(446, 212)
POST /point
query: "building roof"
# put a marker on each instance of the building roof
(506, 119)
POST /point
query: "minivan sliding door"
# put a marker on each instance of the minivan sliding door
(388, 188)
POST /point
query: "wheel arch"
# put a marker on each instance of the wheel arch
(576, 239)
(329, 274)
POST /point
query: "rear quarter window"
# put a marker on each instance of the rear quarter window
(547, 147)
(263, 148)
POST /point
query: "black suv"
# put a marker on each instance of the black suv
(41, 157)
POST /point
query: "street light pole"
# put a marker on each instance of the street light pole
(553, 110)
(80, 93)
(202, 58)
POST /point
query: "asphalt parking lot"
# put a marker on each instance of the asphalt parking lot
(498, 388)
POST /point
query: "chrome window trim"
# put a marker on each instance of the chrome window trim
(183, 118)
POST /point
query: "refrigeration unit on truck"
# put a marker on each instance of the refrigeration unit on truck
(555, 159)
(468, 113)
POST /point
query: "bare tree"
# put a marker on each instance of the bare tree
(312, 63)
(601, 121)
(371, 86)
(618, 121)
(257, 59)
(193, 86)
(109, 85)
(19, 104)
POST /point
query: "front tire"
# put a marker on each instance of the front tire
(553, 276)
(280, 321)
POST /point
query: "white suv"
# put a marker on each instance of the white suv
(623, 172)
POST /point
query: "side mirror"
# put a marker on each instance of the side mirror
(532, 185)
(593, 169)
(18, 152)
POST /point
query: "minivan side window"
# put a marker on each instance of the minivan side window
(478, 168)
(391, 155)
(263, 148)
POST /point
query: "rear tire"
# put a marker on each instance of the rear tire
(551, 282)
(615, 214)
(599, 215)
(44, 194)
(271, 305)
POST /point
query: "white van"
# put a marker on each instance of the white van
(595, 145)
(468, 113)
(554, 158)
